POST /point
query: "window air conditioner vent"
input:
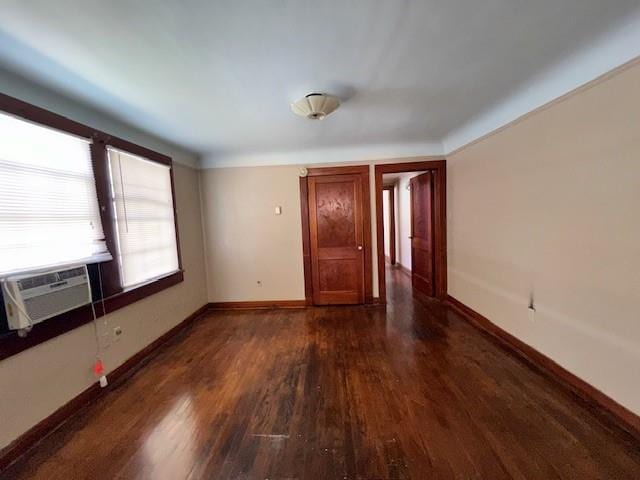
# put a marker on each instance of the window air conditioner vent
(30, 299)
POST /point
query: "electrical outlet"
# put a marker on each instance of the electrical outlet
(117, 333)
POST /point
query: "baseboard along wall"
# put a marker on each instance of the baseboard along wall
(35, 434)
(585, 392)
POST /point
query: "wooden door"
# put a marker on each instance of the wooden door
(336, 229)
(422, 237)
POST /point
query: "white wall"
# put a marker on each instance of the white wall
(396, 206)
(385, 219)
(403, 219)
(550, 206)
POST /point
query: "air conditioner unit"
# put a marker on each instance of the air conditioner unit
(32, 298)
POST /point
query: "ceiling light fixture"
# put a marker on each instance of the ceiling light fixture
(315, 106)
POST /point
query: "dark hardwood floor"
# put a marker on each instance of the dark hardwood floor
(335, 393)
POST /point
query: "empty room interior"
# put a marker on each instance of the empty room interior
(319, 239)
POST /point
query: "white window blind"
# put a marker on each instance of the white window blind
(143, 205)
(48, 205)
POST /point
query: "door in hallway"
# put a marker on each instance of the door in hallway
(336, 228)
(422, 237)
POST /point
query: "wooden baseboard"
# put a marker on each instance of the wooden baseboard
(275, 304)
(35, 434)
(258, 305)
(586, 392)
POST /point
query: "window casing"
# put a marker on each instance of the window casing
(144, 218)
(119, 286)
(48, 204)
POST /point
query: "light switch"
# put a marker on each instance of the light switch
(278, 210)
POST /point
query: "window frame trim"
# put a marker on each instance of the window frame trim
(146, 154)
(115, 296)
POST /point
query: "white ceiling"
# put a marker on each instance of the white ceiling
(217, 76)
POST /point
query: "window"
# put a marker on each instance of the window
(48, 206)
(73, 194)
(144, 217)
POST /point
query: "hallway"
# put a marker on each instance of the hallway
(335, 393)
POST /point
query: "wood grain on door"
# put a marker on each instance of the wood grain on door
(422, 229)
(337, 239)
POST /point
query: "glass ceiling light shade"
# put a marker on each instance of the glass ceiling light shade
(315, 106)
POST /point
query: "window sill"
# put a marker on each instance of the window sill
(11, 343)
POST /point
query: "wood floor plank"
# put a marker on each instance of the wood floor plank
(410, 392)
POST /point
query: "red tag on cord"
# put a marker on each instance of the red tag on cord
(98, 368)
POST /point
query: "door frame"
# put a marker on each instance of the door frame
(392, 222)
(363, 171)
(439, 170)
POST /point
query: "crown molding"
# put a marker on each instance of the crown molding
(322, 155)
(610, 55)
(18, 86)
(612, 51)
(584, 68)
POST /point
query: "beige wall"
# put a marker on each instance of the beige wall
(550, 206)
(38, 381)
(247, 243)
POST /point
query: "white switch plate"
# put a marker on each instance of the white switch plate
(278, 210)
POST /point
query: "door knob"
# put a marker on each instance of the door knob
(359, 247)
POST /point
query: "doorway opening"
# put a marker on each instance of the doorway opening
(411, 225)
(407, 225)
